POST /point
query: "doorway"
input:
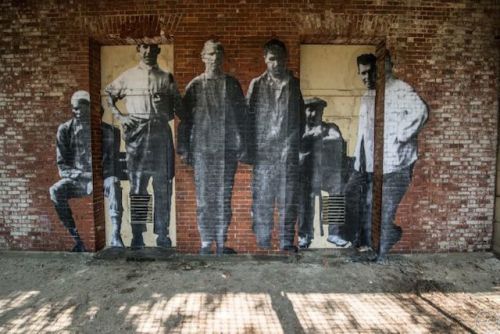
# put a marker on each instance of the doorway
(330, 73)
(115, 60)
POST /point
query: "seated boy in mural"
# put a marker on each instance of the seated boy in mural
(276, 121)
(212, 141)
(151, 99)
(73, 154)
(322, 164)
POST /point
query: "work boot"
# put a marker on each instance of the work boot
(363, 249)
(304, 242)
(221, 250)
(228, 251)
(116, 238)
(163, 241)
(78, 247)
(206, 251)
(338, 241)
(264, 243)
(389, 239)
(290, 248)
(137, 242)
(137, 239)
(382, 259)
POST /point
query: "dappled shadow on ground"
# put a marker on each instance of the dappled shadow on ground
(397, 313)
(39, 295)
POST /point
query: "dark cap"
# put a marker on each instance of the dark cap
(315, 102)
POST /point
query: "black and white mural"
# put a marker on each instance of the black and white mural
(74, 161)
(405, 113)
(299, 158)
(359, 188)
(112, 174)
(323, 168)
(211, 139)
(276, 121)
(151, 100)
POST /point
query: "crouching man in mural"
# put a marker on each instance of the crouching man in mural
(213, 143)
(359, 188)
(276, 117)
(74, 163)
(322, 166)
(404, 115)
(151, 99)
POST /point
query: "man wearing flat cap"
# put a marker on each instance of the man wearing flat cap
(73, 156)
(321, 164)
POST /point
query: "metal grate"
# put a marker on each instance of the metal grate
(333, 209)
(141, 209)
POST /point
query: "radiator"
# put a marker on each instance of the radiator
(333, 209)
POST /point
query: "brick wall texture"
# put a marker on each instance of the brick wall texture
(447, 50)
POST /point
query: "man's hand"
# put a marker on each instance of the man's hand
(75, 173)
(312, 132)
(332, 135)
(127, 121)
(303, 156)
(90, 188)
(86, 175)
(161, 104)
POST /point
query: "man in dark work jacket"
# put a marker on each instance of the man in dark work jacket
(276, 121)
(210, 139)
(322, 166)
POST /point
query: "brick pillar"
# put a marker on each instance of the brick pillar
(378, 156)
(98, 236)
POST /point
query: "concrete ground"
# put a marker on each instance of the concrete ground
(155, 291)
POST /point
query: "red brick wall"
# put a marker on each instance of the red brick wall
(445, 50)
(98, 236)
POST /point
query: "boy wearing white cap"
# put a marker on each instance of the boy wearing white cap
(74, 163)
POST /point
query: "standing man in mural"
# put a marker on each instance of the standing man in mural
(111, 174)
(359, 188)
(73, 156)
(321, 166)
(276, 112)
(215, 114)
(404, 115)
(151, 99)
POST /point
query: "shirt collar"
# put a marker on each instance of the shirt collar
(281, 83)
(216, 77)
(144, 66)
(76, 125)
(390, 80)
